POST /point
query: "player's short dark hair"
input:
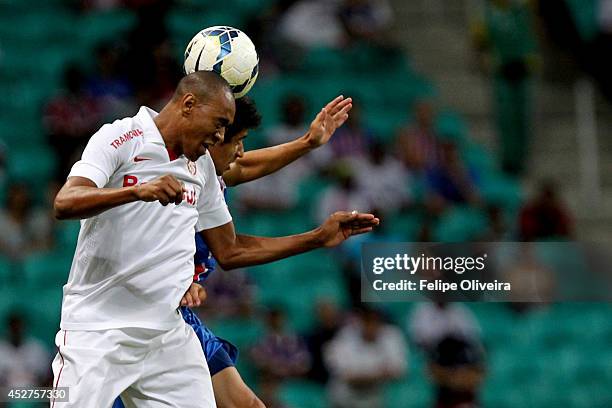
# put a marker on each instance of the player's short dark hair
(246, 118)
(202, 84)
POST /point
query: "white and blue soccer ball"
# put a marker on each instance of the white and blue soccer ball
(227, 51)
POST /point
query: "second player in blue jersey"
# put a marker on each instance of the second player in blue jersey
(234, 166)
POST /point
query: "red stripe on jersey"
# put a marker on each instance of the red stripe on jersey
(199, 269)
(171, 154)
(60, 371)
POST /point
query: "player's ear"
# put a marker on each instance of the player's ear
(188, 103)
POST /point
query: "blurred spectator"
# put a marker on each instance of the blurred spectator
(586, 36)
(296, 25)
(417, 145)
(560, 27)
(98, 5)
(343, 195)
(277, 191)
(604, 16)
(263, 30)
(157, 88)
(70, 118)
(326, 327)
(268, 393)
(229, 294)
(497, 229)
(24, 362)
(350, 251)
(544, 216)
(456, 366)
(293, 125)
(349, 254)
(533, 282)
(293, 121)
(600, 50)
(108, 85)
(24, 229)
(280, 354)
(509, 45)
(382, 180)
(451, 180)
(3, 157)
(153, 69)
(363, 357)
(431, 322)
(367, 20)
(352, 141)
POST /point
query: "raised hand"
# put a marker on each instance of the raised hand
(331, 117)
(165, 189)
(195, 296)
(343, 224)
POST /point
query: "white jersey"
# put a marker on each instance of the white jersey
(134, 262)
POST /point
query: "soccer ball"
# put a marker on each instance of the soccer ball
(227, 51)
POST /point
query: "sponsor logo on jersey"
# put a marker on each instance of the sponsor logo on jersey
(191, 166)
(189, 194)
(140, 158)
(126, 137)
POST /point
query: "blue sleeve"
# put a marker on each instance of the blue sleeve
(203, 261)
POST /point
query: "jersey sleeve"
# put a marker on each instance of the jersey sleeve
(212, 208)
(100, 159)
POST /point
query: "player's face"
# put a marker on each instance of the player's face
(207, 124)
(224, 154)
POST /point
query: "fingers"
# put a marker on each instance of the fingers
(338, 104)
(202, 295)
(345, 216)
(364, 224)
(179, 194)
(342, 115)
(169, 193)
(319, 119)
(187, 300)
(191, 298)
(356, 223)
(329, 122)
(332, 105)
(178, 199)
(162, 197)
(167, 189)
(345, 106)
(361, 231)
(176, 188)
(194, 290)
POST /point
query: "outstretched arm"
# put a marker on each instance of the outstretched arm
(235, 251)
(80, 198)
(259, 163)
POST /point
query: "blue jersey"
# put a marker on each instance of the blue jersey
(203, 260)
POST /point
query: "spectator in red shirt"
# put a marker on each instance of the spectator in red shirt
(281, 353)
(70, 118)
(545, 216)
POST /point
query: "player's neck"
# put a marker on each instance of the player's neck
(166, 125)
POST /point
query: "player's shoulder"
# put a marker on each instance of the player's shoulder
(125, 134)
(121, 129)
(206, 166)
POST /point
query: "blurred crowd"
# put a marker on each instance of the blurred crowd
(353, 349)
